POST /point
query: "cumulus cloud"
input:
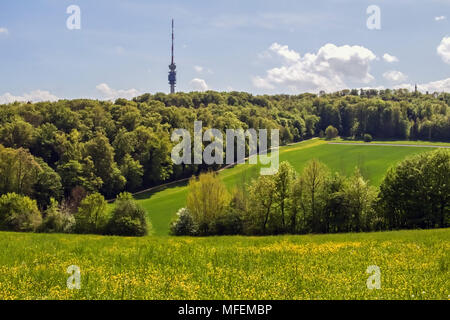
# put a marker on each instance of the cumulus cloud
(34, 96)
(394, 76)
(390, 59)
(440, 18)
(443, 49)
(4, 31)
(434, 86)
(112, 94)
(284, 52)
(198, 84)
(329, 69)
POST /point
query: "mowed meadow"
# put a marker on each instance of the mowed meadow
(413, 265)
(373, 161)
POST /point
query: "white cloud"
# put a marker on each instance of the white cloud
(394, 76)
(4, 31)
(112, 94)
(434, 86)
(34, 96)
(390, 59)
(198, 69)
(443, 49)
(198, 84)
(283, 51)
(440, 18)
(329, 69)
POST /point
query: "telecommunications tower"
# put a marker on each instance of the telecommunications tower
(172, 68)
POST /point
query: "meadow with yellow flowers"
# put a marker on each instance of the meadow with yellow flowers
(413, 265)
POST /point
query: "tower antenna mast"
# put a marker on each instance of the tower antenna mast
(172, 67)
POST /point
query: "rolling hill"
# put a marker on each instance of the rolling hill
(373, 160)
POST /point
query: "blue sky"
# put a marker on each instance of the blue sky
(259, 46)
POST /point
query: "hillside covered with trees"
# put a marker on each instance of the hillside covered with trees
(60, 152)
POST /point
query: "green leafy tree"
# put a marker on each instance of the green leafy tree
(19, 171)
(128, 218)
(48, 185)
(79, 173)
(416, 193)
(284, 180)
(19, 213)
(261, 201)
(360, 200)
(133, 171)
(17, 134)
(92, 215)
(207, 199)
(102, 155)
(312, 183)
(123, 144)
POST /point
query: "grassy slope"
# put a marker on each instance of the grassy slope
(414, 265)
(404, 142)
(374, 161)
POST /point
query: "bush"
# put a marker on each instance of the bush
(92, 216)
(57, 220)
(367, 138)
(331, 132)
(227, 225)
(183, 225)
(19, 213)
(128, 218)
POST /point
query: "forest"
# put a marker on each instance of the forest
(60, 152)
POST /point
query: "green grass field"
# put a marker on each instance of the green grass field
(413, 264)
(403, 142)
(373, 160)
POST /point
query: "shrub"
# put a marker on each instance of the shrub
(183, 225)
(92, 216)
(367, 138)
(227, 224)
(128, 218)
(331, 132)
(19, 213)
(57, 219)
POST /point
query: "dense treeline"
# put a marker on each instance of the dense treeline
(82, 213)
(57, 153)
(414, 194)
